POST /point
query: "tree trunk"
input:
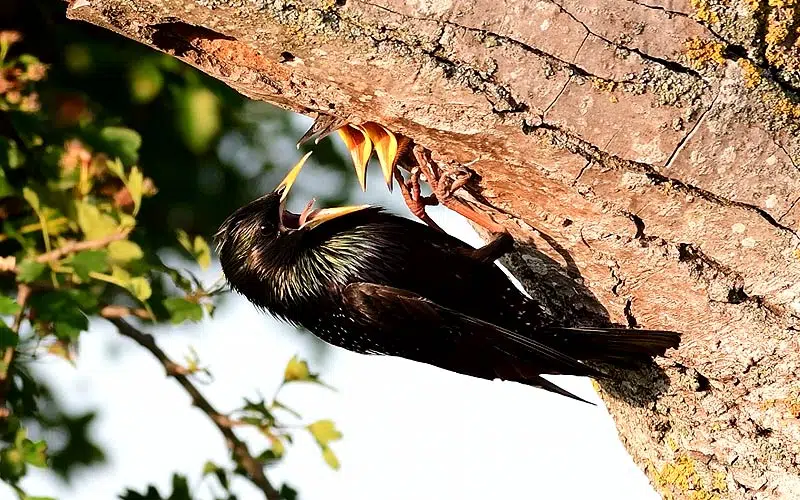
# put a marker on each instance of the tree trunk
(647, 152)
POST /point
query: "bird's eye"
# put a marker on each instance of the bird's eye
(263, 229)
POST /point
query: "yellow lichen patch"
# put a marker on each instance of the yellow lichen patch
(719, 481)
(785, 107)
(704, 53)
(780, 19)
(681, 473)
(796, 253)
(753, 4)
(703, 11)
(682, 476)
(751, 74)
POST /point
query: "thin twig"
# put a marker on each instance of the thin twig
(242, 456)
(115, 311)
(79, 246)
(8, 264)
(23, 293)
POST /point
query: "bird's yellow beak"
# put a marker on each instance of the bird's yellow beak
(286, 184)
(310, 218)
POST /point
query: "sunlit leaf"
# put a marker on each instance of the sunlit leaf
(330, 458)
(202, 252)
(116, 167)
(123, 251)
(296, 369)
(135, 186)
(324, 431)
(181, 310)
(32, 198)
(140, 288)
(93, 222)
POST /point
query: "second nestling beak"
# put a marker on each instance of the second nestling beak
(360, 141)
(310, 217)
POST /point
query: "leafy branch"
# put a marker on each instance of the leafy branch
(239, 450)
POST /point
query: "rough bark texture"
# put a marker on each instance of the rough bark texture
(647, 151)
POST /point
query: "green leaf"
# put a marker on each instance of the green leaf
(122, 142)
(220, 473)
(7, 337)
(324, 431)
(8, 306)
(181, 310)
(6, 189)
(135, 186)
(89, 261)
(35, 452)
(29, 270)
(124, 251)
(287, 492)
(60, 308)
(32, 198)
(10, 154)
(93, 222)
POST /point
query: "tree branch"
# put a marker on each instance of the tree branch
(241, 454)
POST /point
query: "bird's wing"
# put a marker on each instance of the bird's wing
(414, 327)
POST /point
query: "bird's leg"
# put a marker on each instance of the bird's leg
(414, 200)
(444, 193)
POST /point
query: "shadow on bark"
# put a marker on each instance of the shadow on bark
(566, 301)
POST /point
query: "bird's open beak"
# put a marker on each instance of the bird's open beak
(360, 141)
(309, 218)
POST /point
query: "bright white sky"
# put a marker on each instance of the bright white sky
(411, 431)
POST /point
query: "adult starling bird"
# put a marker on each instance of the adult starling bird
(375, 283)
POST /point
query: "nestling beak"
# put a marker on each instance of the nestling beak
(360, 140)
(309, 218)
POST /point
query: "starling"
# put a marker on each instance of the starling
(395, 150)
(374, 283)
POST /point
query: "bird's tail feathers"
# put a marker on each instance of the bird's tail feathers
(611, 345)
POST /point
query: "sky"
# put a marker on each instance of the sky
(410, 430)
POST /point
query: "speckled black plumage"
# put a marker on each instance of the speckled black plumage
(375, 283)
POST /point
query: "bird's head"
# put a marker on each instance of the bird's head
(263, 236)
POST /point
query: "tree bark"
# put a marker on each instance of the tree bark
(645, 152)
